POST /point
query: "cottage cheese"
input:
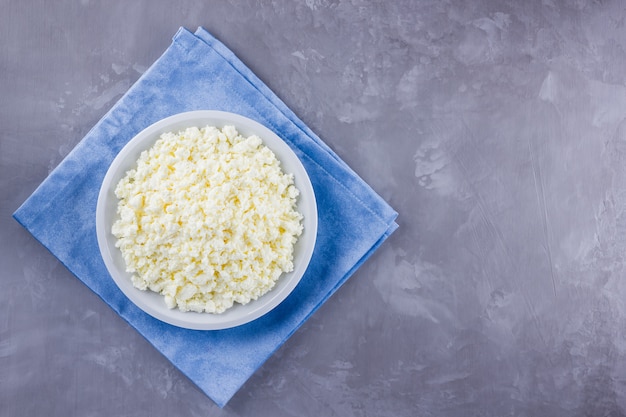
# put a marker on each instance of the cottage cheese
(207, 219)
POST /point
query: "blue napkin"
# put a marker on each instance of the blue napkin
(198, 72)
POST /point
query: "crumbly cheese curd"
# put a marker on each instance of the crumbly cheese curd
(207, 219)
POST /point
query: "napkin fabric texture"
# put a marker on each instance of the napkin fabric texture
(198, 72)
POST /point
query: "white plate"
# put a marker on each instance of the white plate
(153, 303)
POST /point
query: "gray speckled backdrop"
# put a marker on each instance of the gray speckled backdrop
(496, 128)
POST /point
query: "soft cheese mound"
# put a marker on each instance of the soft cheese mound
(207, 219)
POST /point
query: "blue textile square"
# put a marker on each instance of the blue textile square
(197, 72)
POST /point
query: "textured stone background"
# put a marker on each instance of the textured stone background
(497, 129)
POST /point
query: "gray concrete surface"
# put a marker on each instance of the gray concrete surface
(497, 129)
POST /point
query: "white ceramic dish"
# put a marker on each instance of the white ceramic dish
(153, 303)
